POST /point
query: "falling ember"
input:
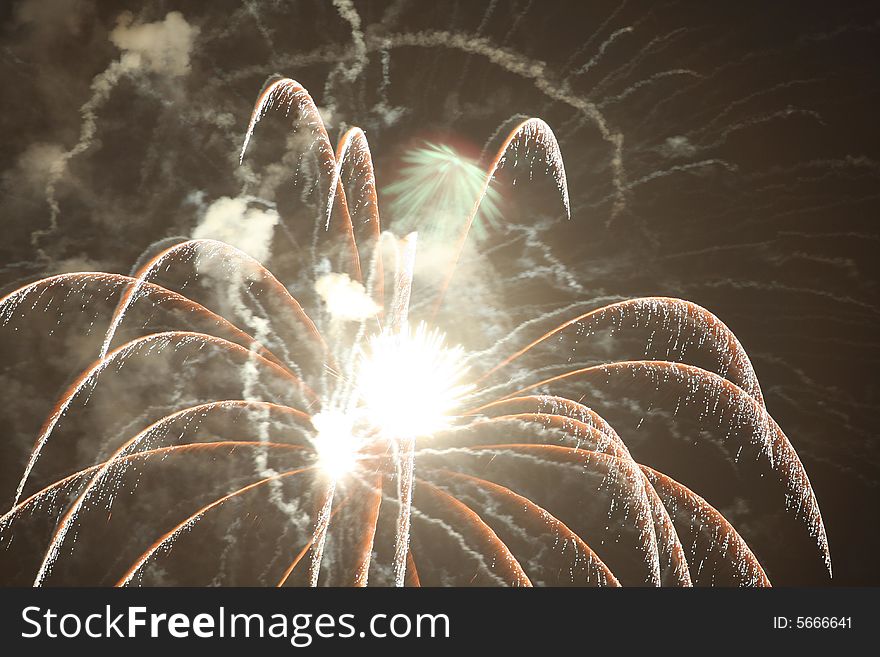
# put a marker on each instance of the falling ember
(402, 447)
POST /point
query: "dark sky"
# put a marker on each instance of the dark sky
(731, 158)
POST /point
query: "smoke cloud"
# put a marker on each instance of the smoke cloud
(160, 47)
(237, 222)
(346, 299)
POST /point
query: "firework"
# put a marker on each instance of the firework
(394, 455)
(435, 191)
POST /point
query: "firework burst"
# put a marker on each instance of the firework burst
(391, 455)
(434, 193)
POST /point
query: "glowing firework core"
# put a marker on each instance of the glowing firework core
(409, 382)
(335, 443)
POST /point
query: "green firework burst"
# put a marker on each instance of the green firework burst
(436, 193)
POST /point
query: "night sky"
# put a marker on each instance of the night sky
(729, 156)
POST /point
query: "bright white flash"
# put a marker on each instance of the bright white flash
(410, 382)
(408, 385)
(335, 443)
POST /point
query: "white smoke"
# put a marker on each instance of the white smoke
(236, 222)
(160, 47)
(346, 299)
(349, 14)
(37, 164)
(347, 69)
(678, 146)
